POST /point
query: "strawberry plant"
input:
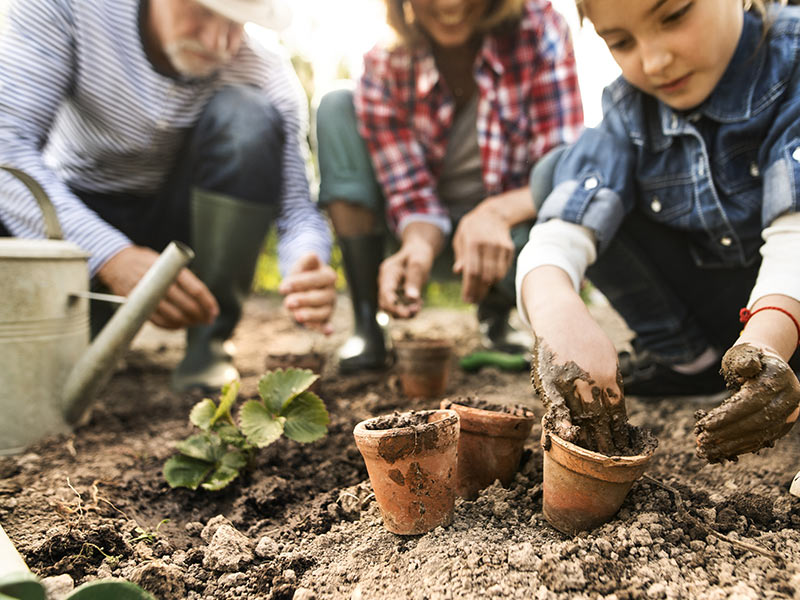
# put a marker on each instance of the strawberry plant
(216, 456)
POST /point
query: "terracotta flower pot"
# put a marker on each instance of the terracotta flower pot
(584, 489)
(411, 461)
(424, 366)
(490, 444)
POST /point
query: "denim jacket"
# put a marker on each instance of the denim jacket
(721, 172)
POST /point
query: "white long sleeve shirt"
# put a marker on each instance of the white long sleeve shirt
(571, 247)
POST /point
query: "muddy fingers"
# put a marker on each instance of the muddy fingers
(757, 414)
(578, 410)
(620, 431)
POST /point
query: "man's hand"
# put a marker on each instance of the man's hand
(310, 293)
(483, 252)
(187, 302)
(763, 408)
(404, 273)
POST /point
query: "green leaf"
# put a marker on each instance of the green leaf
(235, 459)
(306, 418)
(229, 434)
(227, 470)
(109, 588)
(230, 392)
(183, 471)
(278, 387)
(220, 478)
(203, 446)
(203, 413)
(258, 424)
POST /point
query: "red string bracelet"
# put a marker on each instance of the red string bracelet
(745, 315)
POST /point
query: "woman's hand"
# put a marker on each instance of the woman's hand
(762, 409)
(483, 252)
(574, 365)
(187, 302)
(310, 292)
(404, 273)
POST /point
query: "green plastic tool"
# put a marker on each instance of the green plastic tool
(491, 358)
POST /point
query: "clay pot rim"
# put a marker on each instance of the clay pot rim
(491, 422)
(597, 458)
(451, 418)
(529, 414)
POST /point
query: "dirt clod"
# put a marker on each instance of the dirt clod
(162, 580)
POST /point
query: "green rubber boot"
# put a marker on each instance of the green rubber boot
(227, 236)
(368, 349)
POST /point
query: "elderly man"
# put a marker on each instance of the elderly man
(152, 120)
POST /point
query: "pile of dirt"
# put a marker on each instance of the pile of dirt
(304, 524)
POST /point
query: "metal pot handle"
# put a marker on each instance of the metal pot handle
(52, 228)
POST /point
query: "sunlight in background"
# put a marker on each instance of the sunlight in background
(334, 34)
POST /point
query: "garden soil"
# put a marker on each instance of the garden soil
(304, 524)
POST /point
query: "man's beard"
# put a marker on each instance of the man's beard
(191, 59)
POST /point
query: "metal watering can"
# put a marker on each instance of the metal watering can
(48, 370)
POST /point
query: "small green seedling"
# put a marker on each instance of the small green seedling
(214, 458)
(143, 534)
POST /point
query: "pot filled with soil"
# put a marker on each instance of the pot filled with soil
(582, 489)
(592, 454)
(411, 460)
(423, 365)
(490, 444)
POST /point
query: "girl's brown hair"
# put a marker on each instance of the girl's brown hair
(400, 17)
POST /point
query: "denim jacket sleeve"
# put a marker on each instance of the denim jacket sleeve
(594, 182)
(780, 153)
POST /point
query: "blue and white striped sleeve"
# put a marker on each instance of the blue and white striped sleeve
(301, 226)
(36, 70)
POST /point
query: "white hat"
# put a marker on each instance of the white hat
(273, 14)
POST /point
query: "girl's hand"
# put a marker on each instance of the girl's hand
(574, 366)
(762, 409)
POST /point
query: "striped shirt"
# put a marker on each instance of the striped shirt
(82, 107)
(528, 103)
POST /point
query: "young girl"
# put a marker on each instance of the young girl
(681, 207)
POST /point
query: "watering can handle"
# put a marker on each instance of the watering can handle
(51, 226)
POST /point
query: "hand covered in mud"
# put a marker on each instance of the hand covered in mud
(578, 409)
(763, 407)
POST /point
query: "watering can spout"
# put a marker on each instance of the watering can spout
(96, 365)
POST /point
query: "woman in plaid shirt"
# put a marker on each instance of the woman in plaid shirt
(441, 133)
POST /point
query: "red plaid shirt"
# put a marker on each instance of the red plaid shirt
(529, 103)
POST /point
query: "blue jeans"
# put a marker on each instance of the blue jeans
(227, 152)
(346, 174)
